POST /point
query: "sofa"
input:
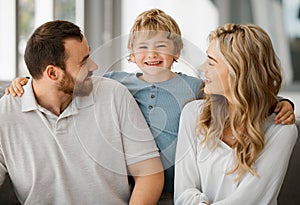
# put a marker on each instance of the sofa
(290, 190)
(289, 193)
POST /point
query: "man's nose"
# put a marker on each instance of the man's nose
(92, 65)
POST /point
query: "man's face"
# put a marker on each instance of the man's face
(79, 68)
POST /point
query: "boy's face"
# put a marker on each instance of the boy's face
(153, 54)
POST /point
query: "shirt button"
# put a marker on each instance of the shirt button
(152, 96)
(150, 107)
(153, 86)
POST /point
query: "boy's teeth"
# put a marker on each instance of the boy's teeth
(153, 63)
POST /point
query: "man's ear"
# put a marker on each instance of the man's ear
(52, 72)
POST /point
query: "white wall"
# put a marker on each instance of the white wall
(7, 40)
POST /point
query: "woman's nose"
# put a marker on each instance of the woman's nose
(202, 69)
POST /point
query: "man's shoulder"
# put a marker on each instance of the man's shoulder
(107, 84)
(9, 108)
(97, 80)
(8, 100)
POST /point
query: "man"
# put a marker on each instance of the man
(71, 138)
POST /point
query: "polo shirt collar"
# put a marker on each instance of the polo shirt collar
(28, 101)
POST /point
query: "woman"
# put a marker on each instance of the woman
(229, 151)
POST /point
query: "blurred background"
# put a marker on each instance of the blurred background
(103, 21)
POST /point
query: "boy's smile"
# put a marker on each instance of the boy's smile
(153, 63)
(154, 55)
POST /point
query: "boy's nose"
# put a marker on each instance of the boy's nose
(152, 53)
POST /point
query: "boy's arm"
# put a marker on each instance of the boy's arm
(285, 111)
(149, 180)
(16, 86)
(280, 99)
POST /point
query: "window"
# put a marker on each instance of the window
(19, 18)
(291, 14)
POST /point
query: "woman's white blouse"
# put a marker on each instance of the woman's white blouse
(200, 173)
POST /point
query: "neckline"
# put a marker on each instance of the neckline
(177, 75)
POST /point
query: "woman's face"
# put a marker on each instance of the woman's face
(216, 71)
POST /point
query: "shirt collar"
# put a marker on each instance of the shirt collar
(28, 100)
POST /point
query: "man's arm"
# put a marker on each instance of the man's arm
(149, 180)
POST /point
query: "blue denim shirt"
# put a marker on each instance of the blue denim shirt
(161, 103)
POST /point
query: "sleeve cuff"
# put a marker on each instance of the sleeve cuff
(292, 104)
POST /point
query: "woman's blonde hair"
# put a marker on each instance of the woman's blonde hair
(150, 22)
(254, 81)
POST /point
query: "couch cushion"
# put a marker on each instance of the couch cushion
(289, 193)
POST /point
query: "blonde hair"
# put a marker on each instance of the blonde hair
(254, 81)
(152, 21)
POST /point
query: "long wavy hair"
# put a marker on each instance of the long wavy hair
(254, 81)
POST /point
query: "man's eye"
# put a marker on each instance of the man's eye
(161, 46)
(83, 63)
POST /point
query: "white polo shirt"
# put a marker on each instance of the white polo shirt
(80, 157)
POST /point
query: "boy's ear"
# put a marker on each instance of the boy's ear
(176, 56)
(52, 72)
(132, 58)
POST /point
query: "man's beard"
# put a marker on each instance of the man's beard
(77, 88)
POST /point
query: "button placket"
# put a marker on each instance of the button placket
(152, 96)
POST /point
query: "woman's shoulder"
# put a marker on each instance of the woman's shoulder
(193, 107)
(286, 133)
